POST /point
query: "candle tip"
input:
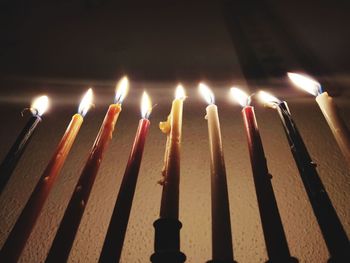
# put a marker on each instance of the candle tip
(40, 105)
(85, 103)
(306, 83)
(268, 99)
(146, 105)
(180, 92)
(121, 90)
(206, 92)
(240, 96)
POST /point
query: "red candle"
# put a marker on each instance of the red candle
(68, 228)
(117, 227)
(275, 239)
(20, 233)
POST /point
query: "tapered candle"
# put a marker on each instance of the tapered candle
(275, 239)
(20, 233)
(38, 108)
(171, 169)
(325, 102)
(221, 225)
(68, 228)
(327, 218)
(113, 243)
(167, 227)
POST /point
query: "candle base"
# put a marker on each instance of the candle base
(167, 241)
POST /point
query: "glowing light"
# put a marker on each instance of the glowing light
(146, 105)
(85, 103)
(121, 90)
(39, 105)
(206, 93)
(306, 83)
(240, 96)
(268, 99)
(180, 92)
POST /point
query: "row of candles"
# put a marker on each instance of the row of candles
(167, 227)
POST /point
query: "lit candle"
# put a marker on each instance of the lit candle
(221, 225)
(167, 227)
(327, 218)
(20, 233)
(113, 243)
(275, 239)
(68, 228)
(329, 110)
(38, 108)
(171, 169)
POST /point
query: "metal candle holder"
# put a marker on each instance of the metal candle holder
(167, 241)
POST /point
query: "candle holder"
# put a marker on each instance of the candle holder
(167, 241)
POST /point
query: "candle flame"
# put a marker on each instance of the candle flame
(206, 93)
(306, 83)
(240, 96)
(39, 105)
(268, 99)
(85, 103)
(122, 89)
(180, 92)
(146, 105)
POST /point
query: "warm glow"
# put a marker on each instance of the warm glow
(85, 103)
(121, 89)
(146, 105)
(306, 83)
(240, 96)
(40, 105)
(268, 99)
(180, 92)
(206, 93)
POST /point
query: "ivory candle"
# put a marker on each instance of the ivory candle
(167, 227)
(329, 110)
(221, 224)
(69, 225)
(171, 169)
(38, 108)
(25, 223)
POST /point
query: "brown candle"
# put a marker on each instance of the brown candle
(68, 228)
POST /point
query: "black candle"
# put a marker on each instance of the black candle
(8, 165)
(327, 218)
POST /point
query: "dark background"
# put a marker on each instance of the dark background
(173, 40)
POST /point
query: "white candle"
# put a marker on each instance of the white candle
(329, 110)
(221, 224)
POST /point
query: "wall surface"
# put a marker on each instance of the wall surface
(304, 237)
